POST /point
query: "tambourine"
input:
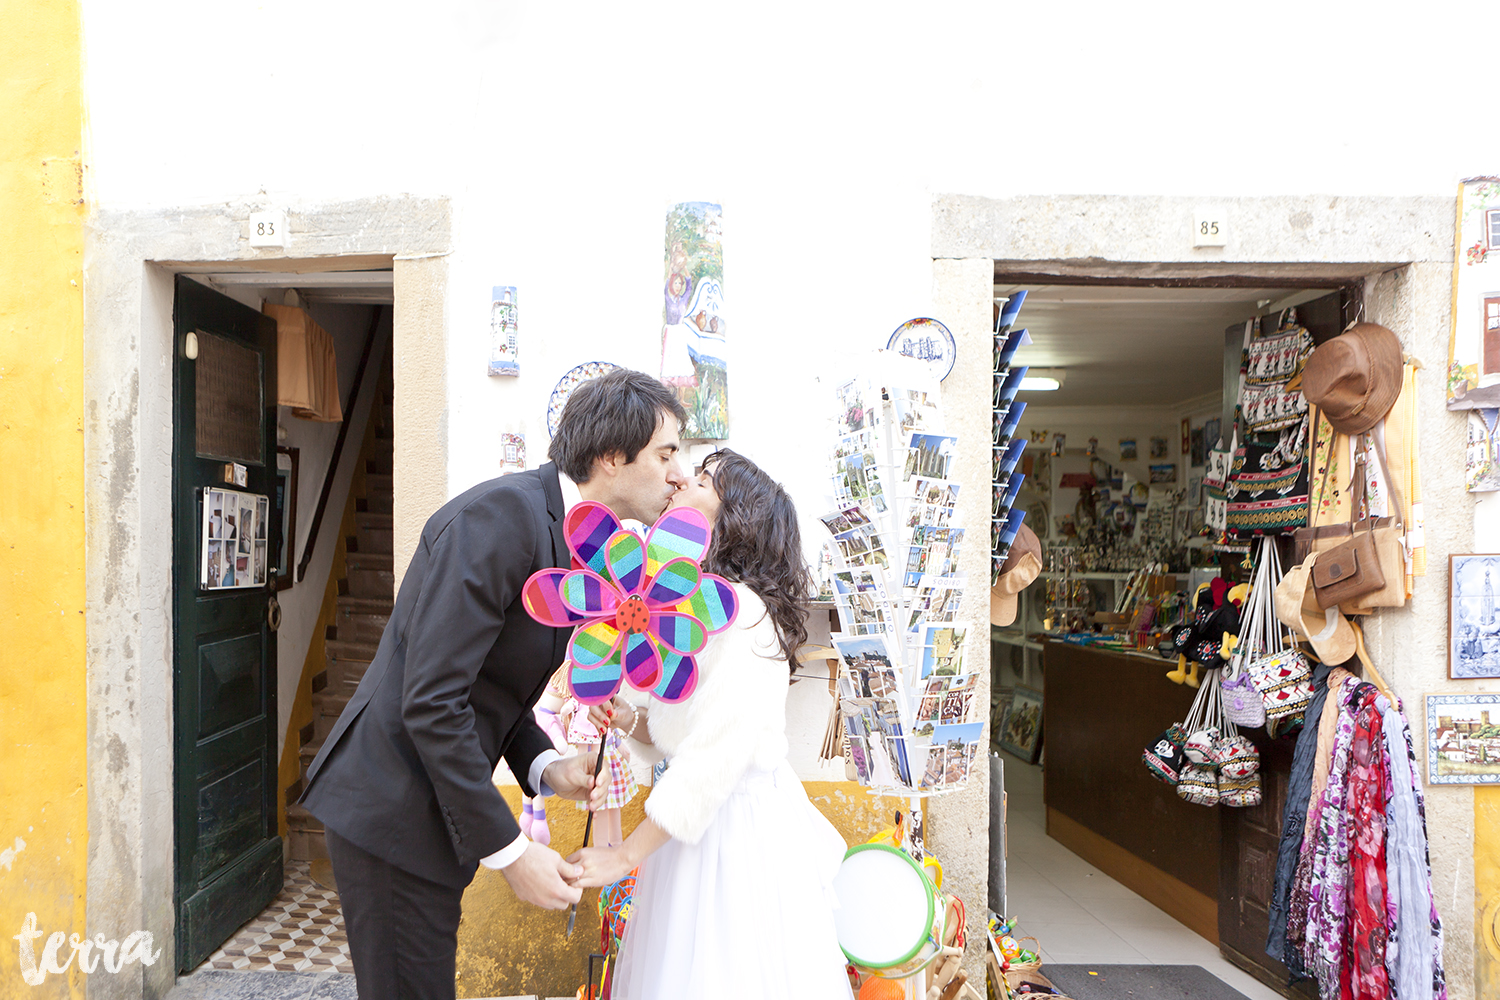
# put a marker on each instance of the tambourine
(891, 920)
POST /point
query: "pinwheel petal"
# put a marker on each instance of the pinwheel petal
(626, 556)
(678, 632)
(679, 678)
(593, 643)
(673, 583)
(642, 661)
(715, 604)
(596, 684)
(542, 598)
(588, 527)
(588, 594)
(680, 533)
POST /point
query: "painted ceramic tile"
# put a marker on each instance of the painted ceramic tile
(693, 345)
(503, 325)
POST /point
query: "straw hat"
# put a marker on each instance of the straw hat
(1297, 607)
(1354, 378)
(1022, 565)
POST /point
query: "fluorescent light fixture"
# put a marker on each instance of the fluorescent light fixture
(1043, 380)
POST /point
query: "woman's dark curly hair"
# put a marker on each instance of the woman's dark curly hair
(756, 542)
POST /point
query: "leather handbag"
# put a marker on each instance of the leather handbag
(1371, 561)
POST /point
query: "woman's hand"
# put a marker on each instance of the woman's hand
(601, 866)
(603, 714)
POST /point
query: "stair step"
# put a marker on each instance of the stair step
(374, 504)
(350, 650)
(373, 532)
(305, 835)
(365, 605)
(294, 792)
(379, 584)
(319, 681)
(330, 703)
(360, 626)
(369, 560)
(381, 463)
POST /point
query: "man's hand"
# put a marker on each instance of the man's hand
(540, 876)
(573, 778)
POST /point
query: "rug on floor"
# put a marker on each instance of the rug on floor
(1146, 982)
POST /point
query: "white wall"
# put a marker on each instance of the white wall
(562, 138)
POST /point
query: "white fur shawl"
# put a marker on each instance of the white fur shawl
(734, 722)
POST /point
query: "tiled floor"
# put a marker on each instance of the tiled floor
(301, 931)
(1078, 914)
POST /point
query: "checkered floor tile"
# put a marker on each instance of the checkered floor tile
(301, 931)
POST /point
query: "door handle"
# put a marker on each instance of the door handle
(273, 613)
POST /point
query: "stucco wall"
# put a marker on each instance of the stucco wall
(130, 257)
(44, 836)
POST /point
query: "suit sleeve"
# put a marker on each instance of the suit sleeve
(476, 568)
(738, 722)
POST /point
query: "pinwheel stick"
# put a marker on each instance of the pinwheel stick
(588, 825)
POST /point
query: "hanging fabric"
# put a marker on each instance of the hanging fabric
(307, 370)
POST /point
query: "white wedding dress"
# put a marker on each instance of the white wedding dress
(739, 903)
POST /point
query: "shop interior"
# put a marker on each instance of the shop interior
(1135, 385)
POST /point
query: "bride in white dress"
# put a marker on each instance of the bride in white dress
(734, 896)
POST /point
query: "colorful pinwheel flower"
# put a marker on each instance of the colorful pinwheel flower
(643, 610)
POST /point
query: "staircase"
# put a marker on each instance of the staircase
(366, 595)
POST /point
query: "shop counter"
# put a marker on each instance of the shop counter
(1101, 709)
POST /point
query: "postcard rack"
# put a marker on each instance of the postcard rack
(911, 719)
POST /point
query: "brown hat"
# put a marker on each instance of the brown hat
(1022, 565)
(1329, 632)
(1354, 378)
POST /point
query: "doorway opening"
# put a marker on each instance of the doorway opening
(253, 886)
(1101, 864)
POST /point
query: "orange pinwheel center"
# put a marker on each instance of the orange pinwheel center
(633, 616)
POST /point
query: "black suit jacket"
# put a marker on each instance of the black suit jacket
(405, 774)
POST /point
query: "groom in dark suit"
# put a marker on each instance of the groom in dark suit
(403, 783)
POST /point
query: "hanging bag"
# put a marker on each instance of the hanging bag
(1368, 569)
(1270, 395)
(1282, 675)
(1164, 757)
(1243, 704)
(1199, 781)
(1268, 485)
(1216, 483)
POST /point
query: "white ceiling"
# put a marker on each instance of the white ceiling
(1133, 345)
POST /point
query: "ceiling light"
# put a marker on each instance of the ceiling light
(1043, 380)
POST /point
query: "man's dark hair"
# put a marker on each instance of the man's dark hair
(617, 412)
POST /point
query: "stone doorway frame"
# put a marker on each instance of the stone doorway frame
(1402, 249)
(131, 257)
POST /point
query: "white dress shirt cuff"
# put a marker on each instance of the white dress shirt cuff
(506, 855)
(537, 767)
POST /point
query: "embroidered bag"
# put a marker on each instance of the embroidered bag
(1270, 398)
(1268, 486)
(1199, 785)
(1202, 725)
(1241, 793)
(1216, 483)
(1163, 758)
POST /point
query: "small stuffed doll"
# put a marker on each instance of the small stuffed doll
(584, 737)
(1209, 640)
(552, 702)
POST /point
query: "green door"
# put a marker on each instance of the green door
(228, 858)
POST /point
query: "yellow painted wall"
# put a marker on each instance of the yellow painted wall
(43, 800)
(506, 947)
(1486, 891)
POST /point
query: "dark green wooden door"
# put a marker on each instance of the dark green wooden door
(228, 855)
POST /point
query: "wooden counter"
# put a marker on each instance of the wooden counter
(1101, 709)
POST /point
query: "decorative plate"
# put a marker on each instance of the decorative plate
(926, 340)
(576, 376)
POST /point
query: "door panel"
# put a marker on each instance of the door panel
(228, 855)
